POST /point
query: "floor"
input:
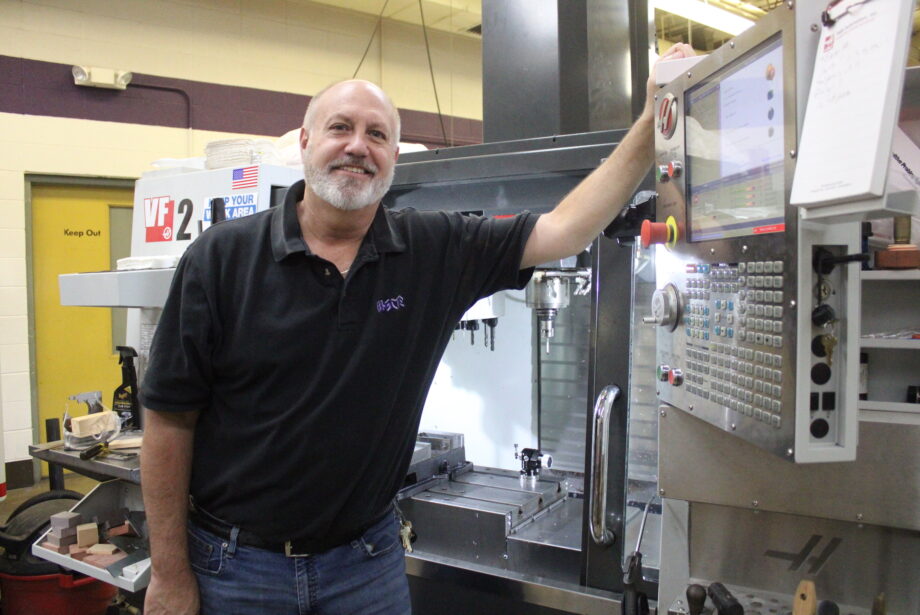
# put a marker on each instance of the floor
(15, 497)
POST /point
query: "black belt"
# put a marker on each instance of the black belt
(291, 548)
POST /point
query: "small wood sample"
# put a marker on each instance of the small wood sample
(55, 548)
(121, 530)
(66, 519)
(78, 553)
(102, 548)
(87, 534)
(93, 424)
(104, 561)
(60, 541)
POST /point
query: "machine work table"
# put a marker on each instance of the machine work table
(101, 469)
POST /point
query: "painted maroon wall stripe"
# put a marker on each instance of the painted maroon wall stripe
(33, 87)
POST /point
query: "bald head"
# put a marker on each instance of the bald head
(329, 95)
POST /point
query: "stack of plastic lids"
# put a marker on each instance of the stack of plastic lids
(228, 153)
(133, 263)
(239, 152)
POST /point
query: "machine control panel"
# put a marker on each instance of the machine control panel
(734, 328)
(747, 322)
(724, 360)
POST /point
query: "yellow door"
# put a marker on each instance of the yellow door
(75, 229)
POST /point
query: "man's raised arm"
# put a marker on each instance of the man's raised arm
(587, 210)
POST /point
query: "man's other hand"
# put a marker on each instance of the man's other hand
(177, 595)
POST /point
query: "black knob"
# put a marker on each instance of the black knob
(820, 373)
(696, 598)
(820, 428)
(828, 607)
(724, 601)
(822, 315)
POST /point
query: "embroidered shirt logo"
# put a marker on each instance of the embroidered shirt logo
(388, 305)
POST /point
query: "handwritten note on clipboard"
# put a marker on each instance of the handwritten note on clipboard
(853, 102)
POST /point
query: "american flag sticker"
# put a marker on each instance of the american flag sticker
(247, 177)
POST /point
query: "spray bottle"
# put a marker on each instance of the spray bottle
(125, 402)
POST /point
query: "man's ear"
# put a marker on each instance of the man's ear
(304, 137)
(396, 154)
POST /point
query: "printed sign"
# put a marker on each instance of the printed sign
(235, 205)
(158, 218)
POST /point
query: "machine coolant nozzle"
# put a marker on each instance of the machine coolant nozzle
(550, 290)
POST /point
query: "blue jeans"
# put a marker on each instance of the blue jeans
(366, 576)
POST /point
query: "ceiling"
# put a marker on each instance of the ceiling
(464, 17)
(457, 16)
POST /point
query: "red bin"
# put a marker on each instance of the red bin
(54, 594)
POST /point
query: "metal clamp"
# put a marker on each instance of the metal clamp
(600, 441)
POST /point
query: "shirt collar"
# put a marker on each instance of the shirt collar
(287, 238)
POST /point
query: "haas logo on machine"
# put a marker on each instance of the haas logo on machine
(158, 218)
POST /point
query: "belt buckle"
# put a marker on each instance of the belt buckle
(289, 550)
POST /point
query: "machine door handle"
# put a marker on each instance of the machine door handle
(600, 441)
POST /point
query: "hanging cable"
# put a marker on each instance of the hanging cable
(373, 34)
(431, 70)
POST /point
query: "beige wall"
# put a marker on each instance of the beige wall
(281, 45)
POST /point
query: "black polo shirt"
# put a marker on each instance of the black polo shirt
(311, 386)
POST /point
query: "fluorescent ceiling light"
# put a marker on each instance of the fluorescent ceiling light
(705, 14)
(96, 77)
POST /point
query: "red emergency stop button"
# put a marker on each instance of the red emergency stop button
(653, 232)
(675, 168)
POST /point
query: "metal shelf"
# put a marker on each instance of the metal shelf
(899, 344)
(891, 274)
(900, 413)
(888, 406)
(142, 288)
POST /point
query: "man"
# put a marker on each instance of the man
(292, 360)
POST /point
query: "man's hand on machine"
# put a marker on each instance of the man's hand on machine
(679, 50)
(175, 595)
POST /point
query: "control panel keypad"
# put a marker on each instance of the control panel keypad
(733, 325)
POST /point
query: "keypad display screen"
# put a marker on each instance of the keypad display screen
(735, 148)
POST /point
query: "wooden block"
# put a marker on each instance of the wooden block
(65, 519)
(55, 548)
(60, 541)
(102, 548)
(104, 561)
(65, 532)
(121, 530)
(132, 442)
(93, 424)
(87, 534)
(78, 553)
(898, 256)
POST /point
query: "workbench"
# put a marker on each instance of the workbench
(101, 469)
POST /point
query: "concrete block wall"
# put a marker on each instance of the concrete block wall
(281, 45)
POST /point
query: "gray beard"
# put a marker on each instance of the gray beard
(345, 193)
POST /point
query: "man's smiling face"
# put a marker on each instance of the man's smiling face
(350, 148)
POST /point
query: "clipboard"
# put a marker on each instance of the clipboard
(853, 102)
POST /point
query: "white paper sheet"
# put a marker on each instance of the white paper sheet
(853, 102)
